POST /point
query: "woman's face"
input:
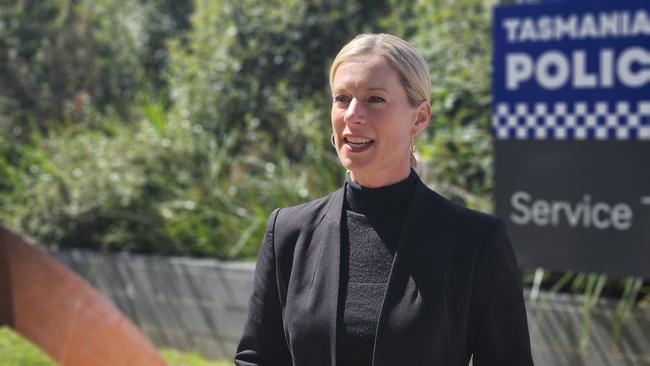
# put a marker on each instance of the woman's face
(373, 121)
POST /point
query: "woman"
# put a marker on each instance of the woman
(383, 271)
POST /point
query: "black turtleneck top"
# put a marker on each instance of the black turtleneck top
(372, 223)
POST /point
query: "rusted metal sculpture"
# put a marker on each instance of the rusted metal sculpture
(62, 314)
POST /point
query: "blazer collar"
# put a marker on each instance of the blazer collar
(334, 210)
(332, 265)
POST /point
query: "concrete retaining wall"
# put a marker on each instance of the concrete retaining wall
(201, 304)
(183, 303)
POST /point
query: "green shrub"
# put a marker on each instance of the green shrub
(63, 59)
(159, 187)
(246, 127)
(246, 64)
(455, 39)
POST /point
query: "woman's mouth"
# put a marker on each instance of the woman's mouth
(358, 144)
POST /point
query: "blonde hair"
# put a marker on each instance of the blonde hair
(402, 57)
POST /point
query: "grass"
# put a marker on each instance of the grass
(178, 358)
(18, 351)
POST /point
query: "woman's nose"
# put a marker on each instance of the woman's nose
(355, 114)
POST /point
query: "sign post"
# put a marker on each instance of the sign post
(571, 125)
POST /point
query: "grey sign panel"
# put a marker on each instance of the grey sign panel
(580, 206)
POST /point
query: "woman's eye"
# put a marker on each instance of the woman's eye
(341, 99)
(376, 99)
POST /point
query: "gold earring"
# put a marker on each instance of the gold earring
(413, 160)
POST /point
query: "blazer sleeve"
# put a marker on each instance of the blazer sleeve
(498, 314)
(263, 341)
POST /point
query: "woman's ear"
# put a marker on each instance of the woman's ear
(422, 115)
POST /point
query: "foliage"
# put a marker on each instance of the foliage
(454, 38)
(241, 124)
(246, 131)
(59, 59)
(159, 187)
(246, 64)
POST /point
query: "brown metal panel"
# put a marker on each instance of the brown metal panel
(59, 312)
(6, 311)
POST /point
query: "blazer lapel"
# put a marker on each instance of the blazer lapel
(326, 280)
(399, 330)
(312, 295)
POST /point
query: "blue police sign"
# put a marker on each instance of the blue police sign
(571, 123)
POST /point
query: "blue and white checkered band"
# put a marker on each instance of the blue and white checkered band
(572, 121)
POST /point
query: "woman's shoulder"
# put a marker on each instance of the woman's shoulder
(457, 215)
(313, 206)
(465, 230)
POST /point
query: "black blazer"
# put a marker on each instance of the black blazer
(453, 291)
